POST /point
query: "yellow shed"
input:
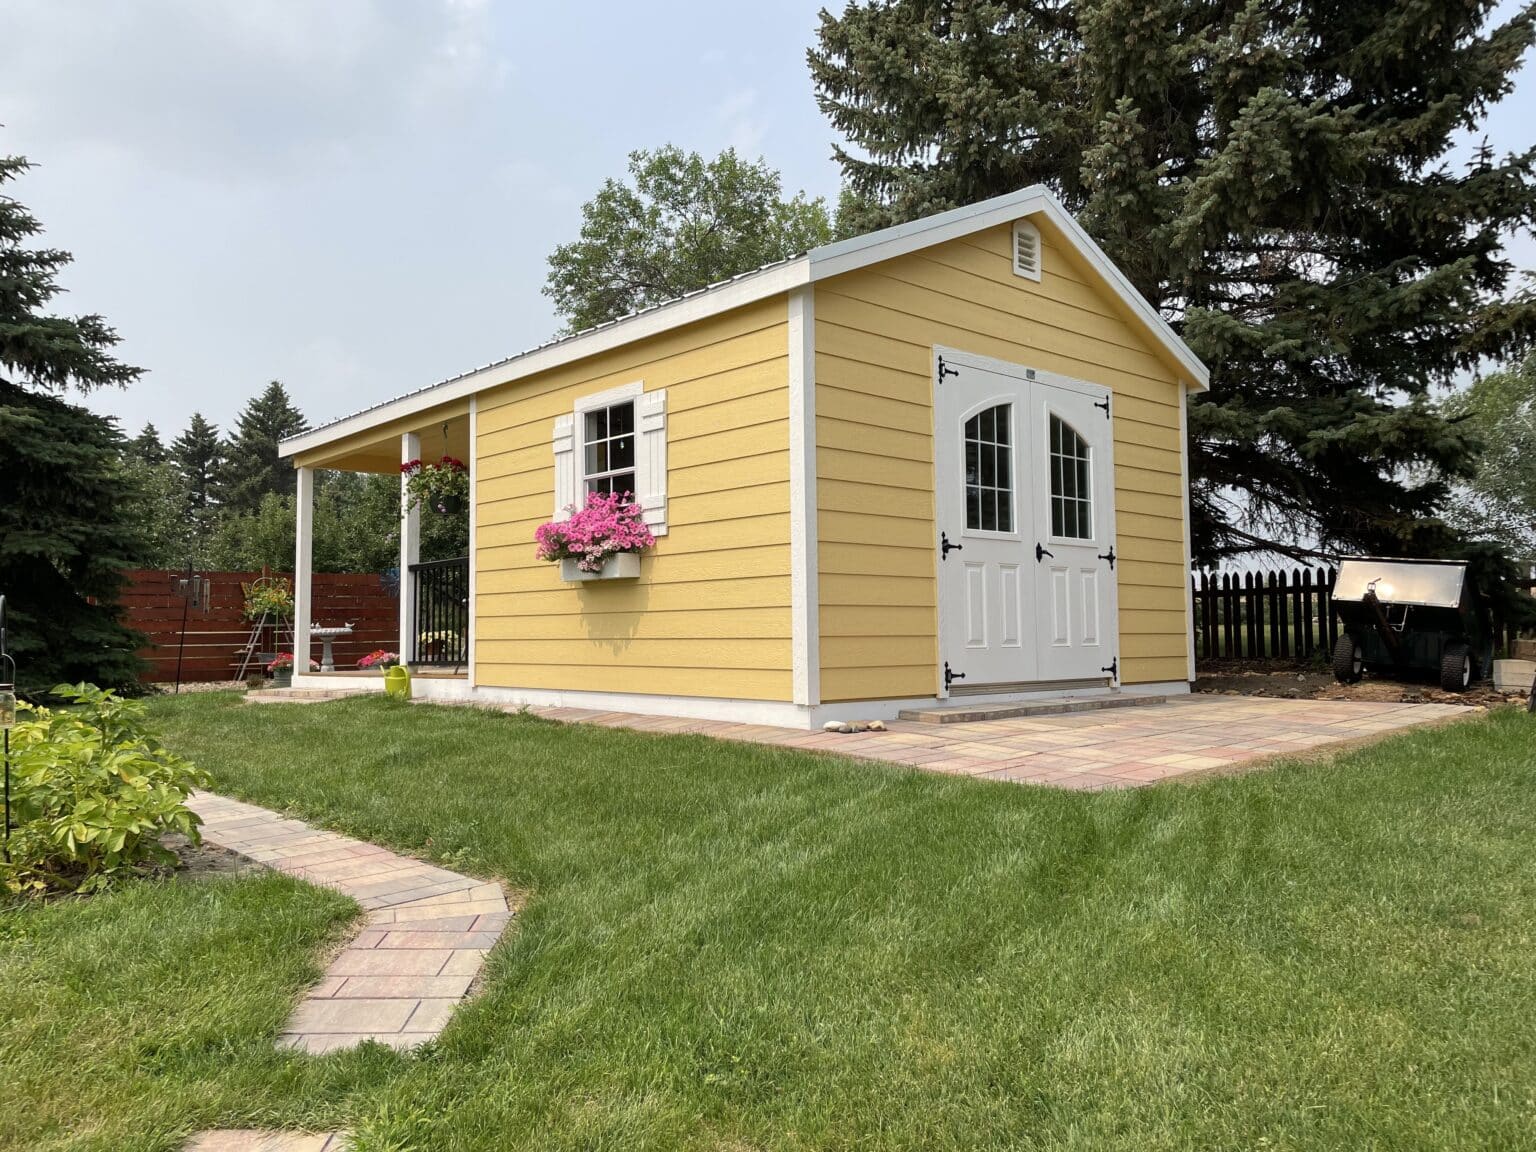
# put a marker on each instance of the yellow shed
(947, 459)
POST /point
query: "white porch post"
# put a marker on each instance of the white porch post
(303, 564)
(410, 553)
(474, 452)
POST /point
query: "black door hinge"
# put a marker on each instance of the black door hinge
(945, 547)
(950, 677)
(1110, 556)
(946, 370)
(1113, 669)
(1104, 404)
(1041, 552)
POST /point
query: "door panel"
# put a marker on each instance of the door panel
(1024, 498)
(1073, 512)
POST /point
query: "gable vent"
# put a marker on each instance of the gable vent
(1026, 250)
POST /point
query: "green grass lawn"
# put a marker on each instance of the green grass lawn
(733, 947)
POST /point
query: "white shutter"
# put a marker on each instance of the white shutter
(565, 466)
(651, 458)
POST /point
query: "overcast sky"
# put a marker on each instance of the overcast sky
(357, 197)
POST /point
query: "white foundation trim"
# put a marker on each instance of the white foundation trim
(804, 590)
(1189, 555)
(303, 564)
(775, 713)
(474, 509)
(410, 551)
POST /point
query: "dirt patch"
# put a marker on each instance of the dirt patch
(206, 859)
(169, 687)
(1290, 681)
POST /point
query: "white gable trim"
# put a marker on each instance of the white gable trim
(775, 280)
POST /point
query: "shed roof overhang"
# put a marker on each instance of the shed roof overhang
(359, 438)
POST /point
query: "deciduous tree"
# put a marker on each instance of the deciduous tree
(684, 222)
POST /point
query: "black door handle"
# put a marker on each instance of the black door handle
(1041, 552)
(1110, 556)
(945, 547)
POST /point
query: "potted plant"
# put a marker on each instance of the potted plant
(269, 598)
(601, 541)
(442, 487)
(435, 644)
(282, 669)
(379, 658)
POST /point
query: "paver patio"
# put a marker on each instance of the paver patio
(1111, 748)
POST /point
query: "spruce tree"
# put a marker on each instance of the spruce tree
(252, 467)
(1275, 179)
(198, 454)
(66, 526)
(147, 446)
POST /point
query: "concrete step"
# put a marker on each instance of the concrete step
(305, 695)
(974, 713)
(1513, 675)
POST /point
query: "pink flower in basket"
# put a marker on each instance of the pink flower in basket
(284, 663)
(608, 525)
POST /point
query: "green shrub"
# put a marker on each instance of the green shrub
(91, 794)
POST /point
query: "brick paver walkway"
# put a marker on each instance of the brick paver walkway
(1111, 748)
(427, 933)
(265, 1140)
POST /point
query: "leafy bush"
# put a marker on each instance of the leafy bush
(91, 793)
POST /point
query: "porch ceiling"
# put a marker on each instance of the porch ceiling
(443, 431)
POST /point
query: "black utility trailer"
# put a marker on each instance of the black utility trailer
(1410, 619)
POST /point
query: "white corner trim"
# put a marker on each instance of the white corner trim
(775, 280)
(303, 565)
(804, 590)
(474, 515)
(1189, 555)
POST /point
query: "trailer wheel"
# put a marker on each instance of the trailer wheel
(1456, 668)
(1348, 660)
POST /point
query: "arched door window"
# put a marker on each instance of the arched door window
(1071, 483)
(989, 502)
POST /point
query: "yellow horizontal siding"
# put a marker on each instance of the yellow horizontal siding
(875, 331)
(709, 615)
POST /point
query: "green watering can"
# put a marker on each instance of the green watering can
(397, 682)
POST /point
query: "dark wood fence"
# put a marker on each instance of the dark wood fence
(216, 634)
(1264, 616)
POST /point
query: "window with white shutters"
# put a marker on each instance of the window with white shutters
(614, 441)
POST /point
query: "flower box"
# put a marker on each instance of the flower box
(619, 566)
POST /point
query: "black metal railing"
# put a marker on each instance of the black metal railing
(440, 594)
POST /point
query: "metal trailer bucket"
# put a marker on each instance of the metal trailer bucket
(1410, 619)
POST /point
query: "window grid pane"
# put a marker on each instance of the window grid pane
(1071, 490)
(989, 471)
(608, 456)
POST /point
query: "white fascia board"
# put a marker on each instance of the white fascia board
(862, 251)
(748, 289)
(818, 264)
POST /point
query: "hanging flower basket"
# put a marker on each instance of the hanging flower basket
(602, 541)
(442, 487)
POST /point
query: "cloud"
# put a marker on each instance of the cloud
(231, 88)
(745, 126)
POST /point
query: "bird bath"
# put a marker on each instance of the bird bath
(325, 636)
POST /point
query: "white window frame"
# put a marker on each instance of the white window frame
(1025, 228)
(650, 451)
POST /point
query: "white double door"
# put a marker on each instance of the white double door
(1024, 496)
